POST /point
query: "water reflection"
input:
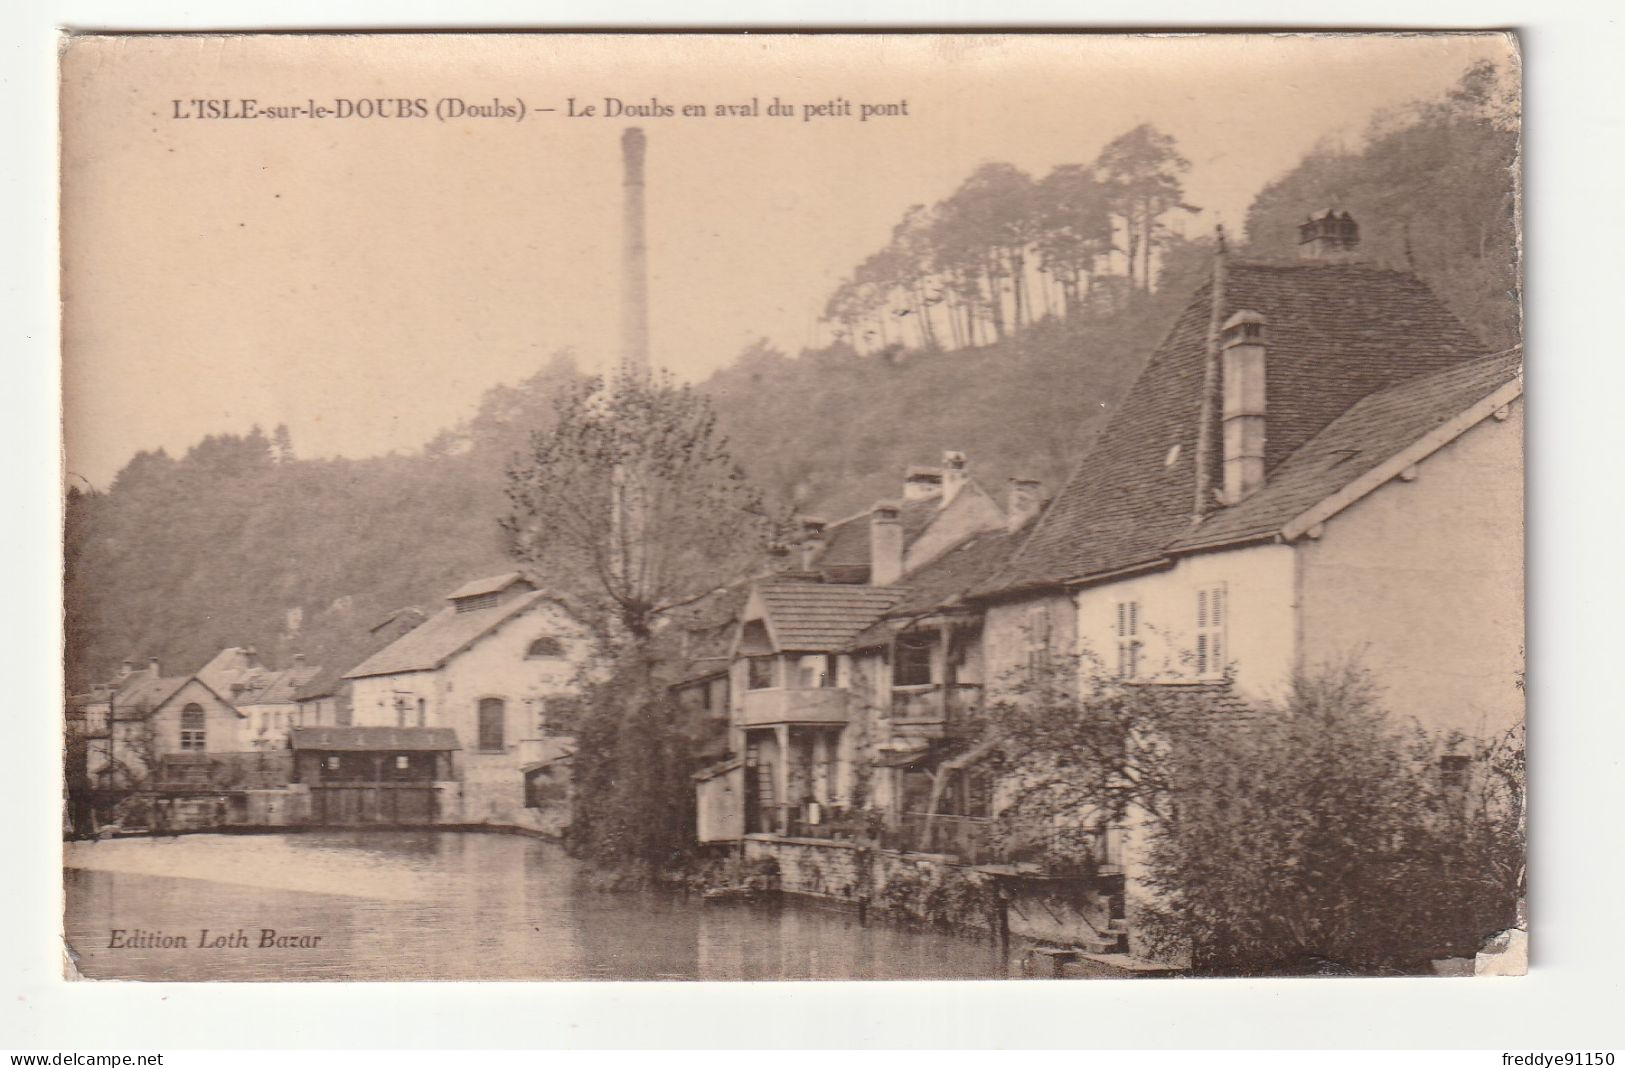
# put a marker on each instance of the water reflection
(448, 905)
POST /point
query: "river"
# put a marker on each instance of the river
(390, 905)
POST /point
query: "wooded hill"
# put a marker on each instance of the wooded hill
(1004, 322)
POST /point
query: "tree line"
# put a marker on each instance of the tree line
(1005, 249)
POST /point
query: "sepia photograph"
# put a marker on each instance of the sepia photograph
(722, 507)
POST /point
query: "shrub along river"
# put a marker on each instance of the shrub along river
(390, 905)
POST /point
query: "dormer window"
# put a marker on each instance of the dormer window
(545, 649)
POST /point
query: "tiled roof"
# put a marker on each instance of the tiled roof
(945, 580)
(846, 552)
(144, 694)
(344, 655)
(818, 617)
(357, 739)
(1362, 438)
(447, 633)
(1334, 333)
(1216, 703)
(275, 687)
(494, 584)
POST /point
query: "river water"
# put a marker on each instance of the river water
(391, 905)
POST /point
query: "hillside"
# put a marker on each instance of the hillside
(239, 542)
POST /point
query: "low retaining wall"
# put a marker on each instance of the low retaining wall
(936, 890)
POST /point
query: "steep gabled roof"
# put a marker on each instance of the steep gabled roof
(143, 695)
(1357, 442)
(818, 617)
(447, 633)
(1335, 333)
(147, 694)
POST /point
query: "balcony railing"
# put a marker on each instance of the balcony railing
(764, 708)
(934, 705)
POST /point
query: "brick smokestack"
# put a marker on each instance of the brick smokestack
(634, 256)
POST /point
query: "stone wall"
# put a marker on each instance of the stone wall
(934, 890)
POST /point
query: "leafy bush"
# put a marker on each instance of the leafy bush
(1315, 830)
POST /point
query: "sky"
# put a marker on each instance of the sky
(365, 280)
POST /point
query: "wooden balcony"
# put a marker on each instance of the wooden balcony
(767, 708)
(934, 710)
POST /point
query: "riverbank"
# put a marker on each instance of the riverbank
(454, 905)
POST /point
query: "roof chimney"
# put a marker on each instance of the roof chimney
(1024, 500)
(953, 476)
(778, 558)
(1331, 237)
(634, 255)
(885, 543)
(152, 666)
(126, 668)
(1242, 342)
(813, 541)
(921, 482)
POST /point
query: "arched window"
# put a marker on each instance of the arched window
(545, 649)
(193, 728)
(493, 721)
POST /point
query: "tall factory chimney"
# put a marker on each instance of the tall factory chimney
(634, 256)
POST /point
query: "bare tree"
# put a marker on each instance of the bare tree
(630, 505)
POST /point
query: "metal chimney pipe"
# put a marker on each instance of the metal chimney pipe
(634, 256)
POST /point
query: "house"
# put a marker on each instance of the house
(134, 723)
(1358, 498)
(325, 699)
(498, 667)
(810, 705)
(266, 696)
(1318, 465)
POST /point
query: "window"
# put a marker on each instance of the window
(1210, 617)
(759, 673)
(402, 762)
(478, 601)
(815, 672)
(1453, 770)
(493, 716)
(193, 731)
(912, 662)
(423, 712)
(332, 762)
(716, 697)
(1128, 639)
(1039, 641)
(400, 711)
(545, 649)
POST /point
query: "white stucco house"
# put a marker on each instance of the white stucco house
(493, 666)
(1351, 491)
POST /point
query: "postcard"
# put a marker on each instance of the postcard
(783, 507)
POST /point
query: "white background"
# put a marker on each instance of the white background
(1574, 129)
